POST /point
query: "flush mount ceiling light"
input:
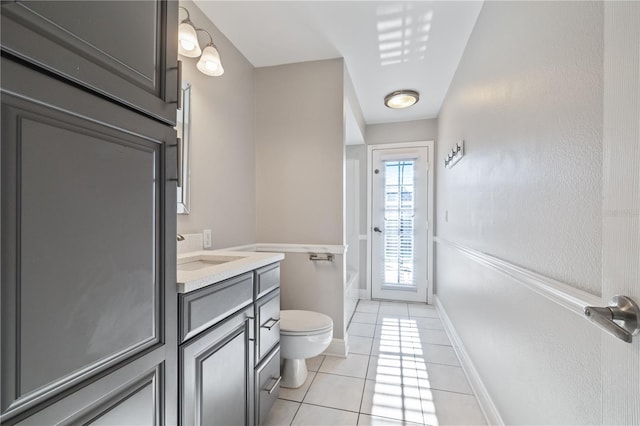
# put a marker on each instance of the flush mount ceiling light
(189, 46)
(401, 99)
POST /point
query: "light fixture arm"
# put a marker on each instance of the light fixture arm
(188, 16)
(207, 32)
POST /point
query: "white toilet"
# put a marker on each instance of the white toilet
(303, 334)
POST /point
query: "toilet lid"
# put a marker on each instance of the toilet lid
(304, 322)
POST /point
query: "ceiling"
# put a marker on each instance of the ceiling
(386, 46)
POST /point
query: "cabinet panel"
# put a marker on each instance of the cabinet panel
(130, 396)
(126, 50)
(216, 374)
(82, 247)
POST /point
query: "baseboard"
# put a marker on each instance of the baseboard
(337, 347)
(484, 399)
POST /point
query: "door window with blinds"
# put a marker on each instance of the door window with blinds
(399, 222)
(399, 212)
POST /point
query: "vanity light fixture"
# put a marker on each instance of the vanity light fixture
(401, 99)
(189, 46)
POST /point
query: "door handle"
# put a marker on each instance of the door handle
(376, 229)
(621, 309)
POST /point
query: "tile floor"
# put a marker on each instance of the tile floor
(401, 370)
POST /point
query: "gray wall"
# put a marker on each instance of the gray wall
(405, 131)
(222, 148)
(527, 100)
(299, 135)
(299, 153)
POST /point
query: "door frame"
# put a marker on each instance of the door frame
(430, 145)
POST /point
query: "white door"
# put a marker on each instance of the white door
(400, 223)
(621, 205)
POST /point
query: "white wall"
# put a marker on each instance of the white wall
(222, 148)
(527, 100)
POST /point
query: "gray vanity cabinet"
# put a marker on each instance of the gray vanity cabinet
(229, 370)
(125, 50)
(88, 319)
(217, 380)
(217, 353)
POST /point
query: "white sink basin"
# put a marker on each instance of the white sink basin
(204, 261)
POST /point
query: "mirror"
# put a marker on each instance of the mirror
(183, 127)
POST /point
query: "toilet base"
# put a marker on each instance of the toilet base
(294, 373)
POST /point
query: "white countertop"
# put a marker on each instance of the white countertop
(195, 279)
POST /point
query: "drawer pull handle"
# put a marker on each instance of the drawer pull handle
(273, 322)
(275, 385)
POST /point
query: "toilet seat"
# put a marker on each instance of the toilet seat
(296, 322)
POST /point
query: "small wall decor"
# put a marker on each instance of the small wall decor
(454, 155)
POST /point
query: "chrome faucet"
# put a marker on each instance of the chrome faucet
(180, 237)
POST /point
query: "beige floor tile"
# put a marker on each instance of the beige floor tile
(445, 378)
(281, 413)
(447, 408)
(365, 317)
(435, 337)
(312, 415)
(427, 311)
(391, 401)
(333, 391)
(396, 346)
(298, 393)
(360, 329)
(367, 420)
(395, 320)
(439, 354)
(355, 365)
(313, 364)
(360, 345)
(429, 323)
(368, 306)
(393, 308)
(392, 369)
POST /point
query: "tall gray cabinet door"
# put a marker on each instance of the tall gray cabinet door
(87, 248)
(125, 50)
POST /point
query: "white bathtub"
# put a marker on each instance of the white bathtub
(351, 295)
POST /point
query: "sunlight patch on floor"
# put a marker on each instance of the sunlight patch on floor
(401, 389)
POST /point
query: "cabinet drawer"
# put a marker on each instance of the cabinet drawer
(268, 278)
(268, 385)
(268, 322)
(203, 308)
